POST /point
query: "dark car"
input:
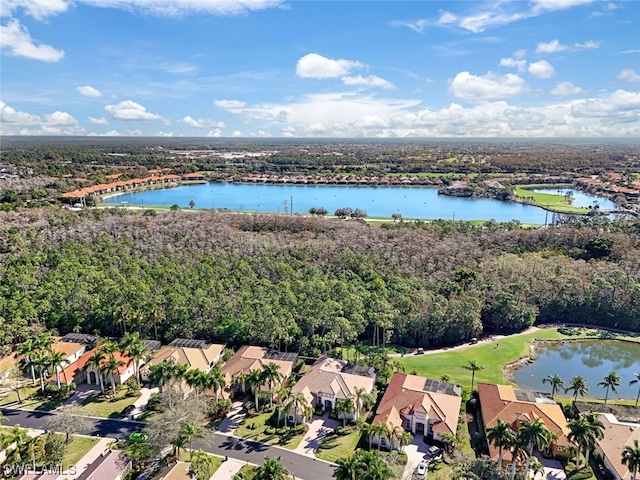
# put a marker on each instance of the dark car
(126, 411)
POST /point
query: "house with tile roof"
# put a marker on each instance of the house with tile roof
(617, 436)
(110, 465)
(250, 357)
(125, 371)
(329, 380)
(194, 354)
(503, 402)
(418, 405)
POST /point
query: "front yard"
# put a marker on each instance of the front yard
(100, 405)
(30, 400)
(77, 449)
(258, 428)
(334, 446)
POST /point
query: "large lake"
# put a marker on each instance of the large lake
(592, 359)
(410, 202)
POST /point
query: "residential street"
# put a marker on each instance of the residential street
(304, 468)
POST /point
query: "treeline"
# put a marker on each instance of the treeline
(307, 284)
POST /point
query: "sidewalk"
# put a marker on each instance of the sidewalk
(228, 469)
(88, 459)
(232, 420)
(141, 403)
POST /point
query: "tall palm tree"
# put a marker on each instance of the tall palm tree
(555, 381)
(40, 361)
(195, 379)
(379, 431)
(347, 468)
(28, 348)
(595, 432)
(405, 439)
(501, 435)
(239, 381)
(631, 458)
(160, 374)
(189, 432)
(34, 449)
(109, 348)
(271, 469)
(344, 408)
(474, 367)
(254, 381)
(299, 405)
(270, 375)
(533, 435)
(95, 362)
(361, 399)
(610, 382)
(132, 346)
(43, 341)
(58, 361)
(579, 431)
(216, 381)
(112, 365)
(636, 380)
(579, 386)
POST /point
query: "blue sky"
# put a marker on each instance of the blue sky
(251, 68)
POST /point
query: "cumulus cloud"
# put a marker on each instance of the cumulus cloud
(588, 45)
(202, 122)
(477, 88)
(215, 133)
(628, 75)
(370, 81)
(89, 91)
(554, 46)
(541, 69)
(98, 121)
(565, 89)
(130, 110)
(313, 65)
(38, 9)
(229, 104)
(16, 41)
(13, 122)
(620, 103)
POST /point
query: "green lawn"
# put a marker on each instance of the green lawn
(549, 201)
(258, 433)
(334, 447)
(486, 354)
(98, 406)
(28, 401)
(77, 449)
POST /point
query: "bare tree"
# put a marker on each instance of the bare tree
(68, 419)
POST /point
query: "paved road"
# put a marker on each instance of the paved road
(238, 448)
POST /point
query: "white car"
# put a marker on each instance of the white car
(422, 469)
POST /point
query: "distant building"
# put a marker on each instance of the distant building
(110, 465)
(617, 436)
(196, 354)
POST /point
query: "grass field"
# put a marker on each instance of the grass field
(28, 400)
(258, 433)
(550, 201)
(97, 406)
(334, 447)
(77, 449)
(492, 355)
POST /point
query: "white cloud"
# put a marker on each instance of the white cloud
(558, 4)
(10, 116)
(512, 62)
(619, 104)
(39, 9)
(628, 75)
(541, 69)
(13, 122)
(130, 110)
(477, 88)
(98, 121)
(229, 104)
(237, 133)
(89, 91)
(215, 133)
(554, 46)
(163, 134)
(17, 42)
(370, 81)
(202, 122)
(565, 89)
(313, 65)
(588, 45)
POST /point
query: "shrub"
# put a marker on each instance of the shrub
(269, 430)
(300, 428)
(342, 431)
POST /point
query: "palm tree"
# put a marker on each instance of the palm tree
(254, 381)
(43, 341)
(361, 399)
(362, 465)
(239, 380)
(555, 381)
(595, 432)
(533, 435)
(344, 408)
(347, 468)
(395, 434)
(474, 367)
(216, 381)
(405, 439)
(58, 360)
(34, 449)
(517, 452)
(579, 386)
(189, 432)
(40, 360)
(270, 375)
(109, 348)
(631, 458)
(579, 433)
(95, 362)
(195, 379)
(610, 382)
(636, 380)
(28, 348)
(501, 435)
(132, 346)
(378, 430)
(179, 442)
(300, 406)
(112, 365)
(160, 374)
(271, 469)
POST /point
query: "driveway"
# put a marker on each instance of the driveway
(316, 431)
(552, 469)
(415, 451)
(231, 421)
(83, 391)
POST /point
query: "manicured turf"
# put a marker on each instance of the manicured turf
(258, 433)
(77, 449)
(334, 447)
(97, 406)
(28, 402)
(492, 355)
(549, 201)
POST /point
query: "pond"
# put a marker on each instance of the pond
(580, 198)
(376, 201)
(591, 359)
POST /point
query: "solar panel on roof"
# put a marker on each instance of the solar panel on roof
(437, 386)
(282, 356)
(187, 343)
(359, 370)
(78, 338)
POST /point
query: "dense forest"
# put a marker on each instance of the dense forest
(307, 284)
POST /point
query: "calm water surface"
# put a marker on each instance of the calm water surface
(592, 359)
(410, 202)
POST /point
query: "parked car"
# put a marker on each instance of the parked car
(420, 351)
(421, 471)
(473, 341)
(138, 437)
(126, 411)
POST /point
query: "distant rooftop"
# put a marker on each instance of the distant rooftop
(282, 356)
(188, 343)
(79, 338)
(361, 370)
(436, 386)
